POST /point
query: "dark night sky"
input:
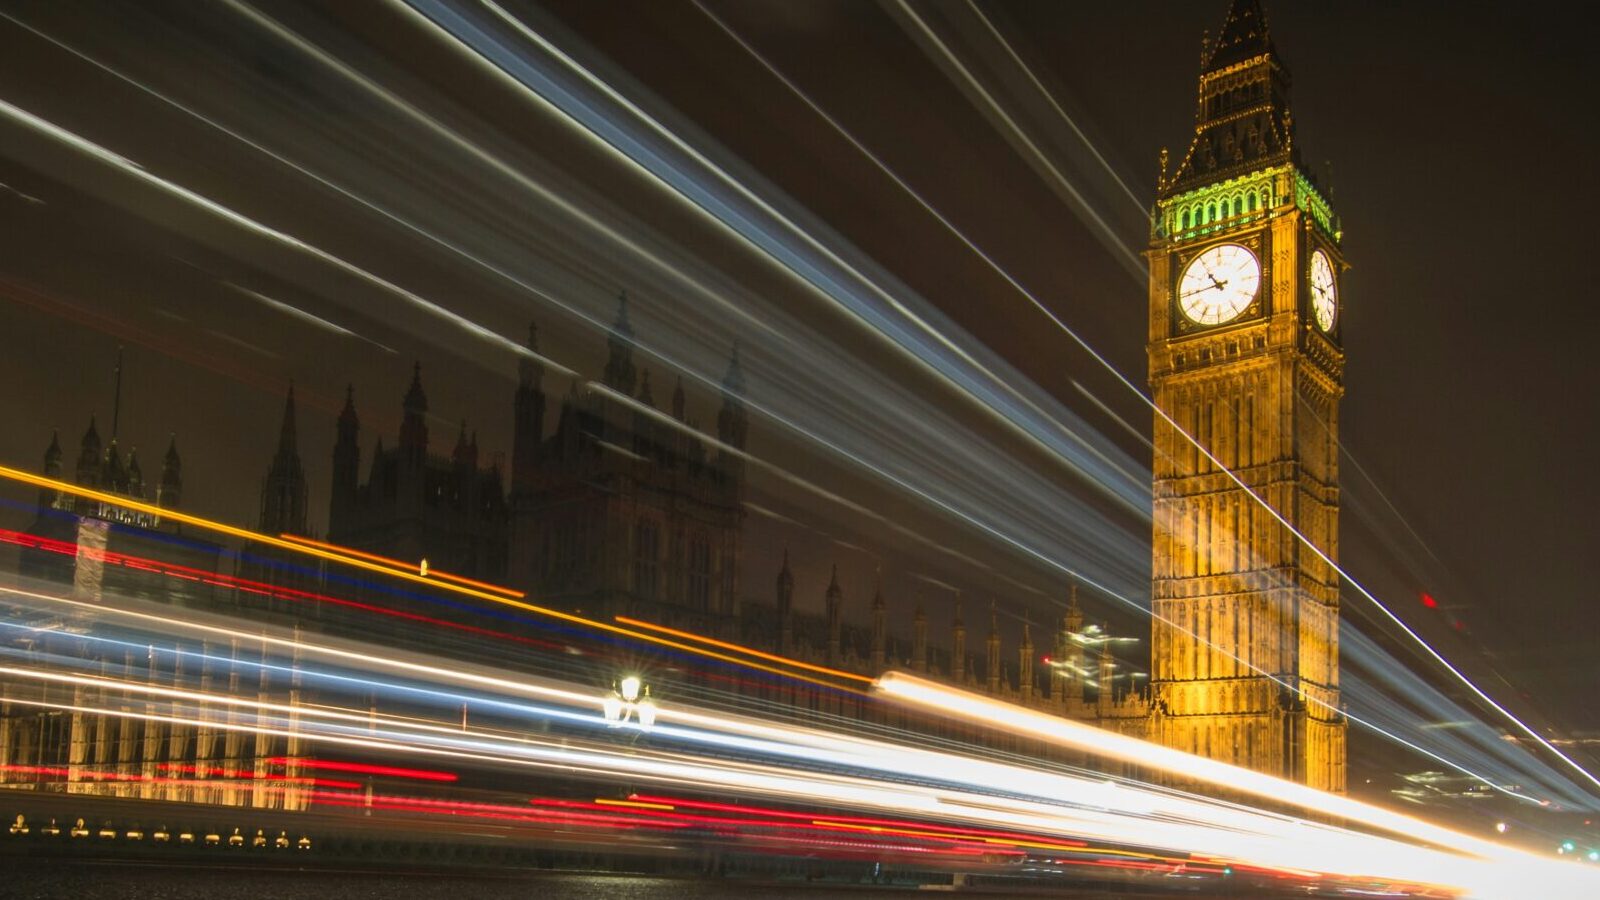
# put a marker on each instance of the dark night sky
(1457, 137)
(1453, 144)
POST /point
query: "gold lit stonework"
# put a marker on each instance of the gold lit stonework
(1244, 648)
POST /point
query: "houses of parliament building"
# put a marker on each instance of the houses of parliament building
(611, 509)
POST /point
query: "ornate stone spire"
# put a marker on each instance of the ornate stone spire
(169, 493)
(413, 426)
(89, 456)
(732, 420)
(1242, 123)
(619, 373)
(528, 417)
(1069, 651)
(785, 590)
(135, 482)
(283, 491)
(1244, 35)
(346, 466)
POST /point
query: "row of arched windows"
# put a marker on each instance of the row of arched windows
(1202, 214)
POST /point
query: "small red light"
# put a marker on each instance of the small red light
(1428, 601)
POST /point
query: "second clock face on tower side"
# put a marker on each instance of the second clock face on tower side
(1324, 293)
(1219, 284)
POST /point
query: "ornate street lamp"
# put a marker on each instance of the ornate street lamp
(629, 700)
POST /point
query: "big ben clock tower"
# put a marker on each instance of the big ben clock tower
(1245, 356)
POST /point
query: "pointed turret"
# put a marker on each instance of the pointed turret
(52, 469)
(346, 467)
(1244, 36)
(1069, 650)
(413, 426)
(1243, 123)
(135, 475)
(834, 602)
(89, 457)
(113, 477)
(528, 427)
(785, 590)
(169, 494)
(619, 374)
(283, 490)
(732, 420)
(52, 455)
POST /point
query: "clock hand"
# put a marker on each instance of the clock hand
(1200, 290)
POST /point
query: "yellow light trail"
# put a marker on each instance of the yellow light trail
(1129, 816)
(401, 565)
(950, 702)
(384, 569)
(741, 648)
(639, 804)
(1272, 851)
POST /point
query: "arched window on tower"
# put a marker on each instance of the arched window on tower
(646, 559)
(1188, 219)
(1252, 206)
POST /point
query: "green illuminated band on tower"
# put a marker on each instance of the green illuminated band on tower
(1238, 201)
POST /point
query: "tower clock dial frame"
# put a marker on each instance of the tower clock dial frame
(1219, 284)
(1324, 293)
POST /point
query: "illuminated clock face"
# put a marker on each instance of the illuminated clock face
(1219, 284)
(1324, 293)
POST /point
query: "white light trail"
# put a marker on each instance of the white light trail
(1122, 815)
(1014, 134)
(1106, 364)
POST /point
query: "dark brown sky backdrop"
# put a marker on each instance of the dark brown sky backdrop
(1457, 136)
(1452, 137)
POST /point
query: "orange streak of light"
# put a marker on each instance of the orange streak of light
(402, 565)
(740, 648)
(635, 803)
(407, 575)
